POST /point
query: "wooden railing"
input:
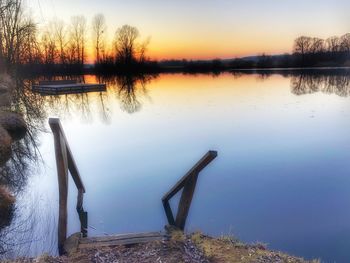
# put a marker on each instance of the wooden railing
(65, 163)
(188, 183)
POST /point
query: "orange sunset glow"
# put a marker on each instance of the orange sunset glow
(204, 29)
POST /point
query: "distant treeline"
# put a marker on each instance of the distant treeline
(59, 47)
(307, 52)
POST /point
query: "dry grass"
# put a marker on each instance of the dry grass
(229, 249)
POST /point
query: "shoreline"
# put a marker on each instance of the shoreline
(179, 247)
(183, 70)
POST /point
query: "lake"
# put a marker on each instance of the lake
(282, 175)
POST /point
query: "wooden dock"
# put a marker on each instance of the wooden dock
(66, 87)
(66, 165)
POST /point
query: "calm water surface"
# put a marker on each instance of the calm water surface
(282, 175)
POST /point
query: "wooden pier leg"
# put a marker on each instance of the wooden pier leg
(83, 216)
(65, 162)
(168, 212)
(188, 184)
(62, 172)
(185, 201)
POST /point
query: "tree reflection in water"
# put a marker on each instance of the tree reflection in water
(29, 230)
(338, 84)
(129, 89)
(16, 172)
(329, 81)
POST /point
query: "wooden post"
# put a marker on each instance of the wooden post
(185, 201)
(83, 216)
(168, 212)
(65, 162)
(188, 183)
(62, 172)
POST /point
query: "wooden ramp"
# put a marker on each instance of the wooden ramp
(65, 163)
(66, 87)
(77, 242)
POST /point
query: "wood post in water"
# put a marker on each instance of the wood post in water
(188, 183)
(65, 162)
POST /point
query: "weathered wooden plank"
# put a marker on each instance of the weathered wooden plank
(199, 166)
(56, 82)
(68, 88)
(73, 169)
(188, 183)
(65, 162)
(168, 212)
(121, 242)
(56, 127)
(185, 201)
(52, 92)
(121, 237)
(80, 200)
(62, 172)
(83, 217)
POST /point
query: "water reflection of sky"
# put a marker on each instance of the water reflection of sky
(281, 177)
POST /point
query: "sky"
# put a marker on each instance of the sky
(206, 29)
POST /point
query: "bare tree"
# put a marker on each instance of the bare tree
(60, 39)
(125, 44)
(14, 30)
(48, 47)
(302, 45)
(99, 31)
(345, 43)
(317, 45)
(29, 50)
(78, 39)
(143, 50)
(333, 44)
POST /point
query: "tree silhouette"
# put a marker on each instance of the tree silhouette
(77, 40)
(14, 31)
(125, 44)
(99, 30)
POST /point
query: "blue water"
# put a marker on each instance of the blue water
(282, 175)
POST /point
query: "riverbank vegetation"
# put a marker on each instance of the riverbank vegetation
(13, 128)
